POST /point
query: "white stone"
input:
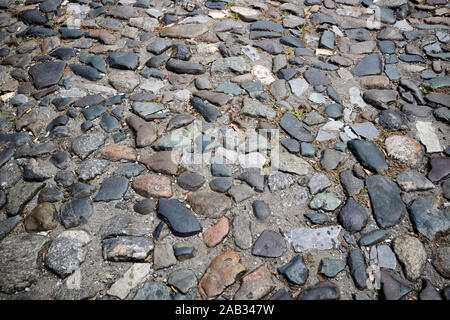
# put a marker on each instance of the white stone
(403, 25)
(337, 31)
(246, 13)
(317, 98)
(304, 239)
(217, 14)
(154, 13)
(228, 156)
(356, 99)
(428, 137)
(133, 277)
(182, 95)
(324, 52)
(152, 86)
(199, 19)
(97, 89)
(263, 74)
(252, 160)
(72, 93)
(298, 86)
(250, 52)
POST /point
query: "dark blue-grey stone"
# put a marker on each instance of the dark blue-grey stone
(387, 205)
(360, 34)
(266, 25)
(181, 52)
(357, 268)
(253, 178)
(37, 32)
(190, 181)
(94, 61)
(64, 53)
(319, 18)
(353, 217)
(386, 46)
(179, 219)
(46, 74)
(412, 58)
(368, 155)
(393, 119)
(299, 52)
(369, 65)
(220, 170)
(324, 290)
(287, 73)
(315, 77)
(270, 244)
(49, 194)
(207, 111)
(334, 110)
(220, 184)
(32, 17)
(90, 113)
(86, 72)
(270, 46)
(292, 145)
(295, 271)
(183, 67)
(159, 45)
(129, 170)
(109, 123)
(331, 267)
(261, 209)
(317, 218)
(157, 61)
(295, 128)
(123, 60)
(70, 33)
(112, 189)
(428, 220)
(292, 41)
(75, 212)
(327, 40)
(81, 190)
(307, 149)
(373, 237)
(393, 287)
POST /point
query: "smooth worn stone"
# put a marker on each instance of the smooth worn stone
(190, 181)
(427, 219)
(292, 145)
(366, 130)
(393, 287)
(295, 128)
(334, 110)
(315, 77)
(184, 31)
(179, 219)
(388, 207)
(352, 185)
(255, 285)
(130, 280)
(19, 262)
(368, 155)
(442, 114)
(240, 192)
(238, 65)
(255, 108)
(427, 135)
(208, 112)
(411, 254)
(216, 98)
(109, 123)
(64, 53)
(369, 65)
(43, 217)
(331, 267)
(295, 271)
(241, 231)
(214, 235)
(179, 121)
(46, 74)
(317, 218)
(67, 252)
(93, 112)
(327, 40)
(357, 267)
(146, 110)
(373, 237)
(75, 212)
(380, 98)
(413, 181)
(353, 217)
(183, 252)
(162, 162)
(298, 86)
(85, 144)
(404, 149)
(171, 142)
(91, 168)
(20, 194)
(292, 41)
(261, 209)
(326, 201)
(159, 45)
(145, 206)
(127, 248)
(123, 60)
(116, 152)
(331, 159)
(318, 183)
(270, 46)
(151, 185)
(429, 292)
(254, 178)
(439, 98)
(229, 88)
(322, 291)
(269, 244)
(221, 273)
(184, 280)
(220, 184)
(145, 131)
(184, 67)
(112, 189)
(64, 178)
(305, 239)
(129, 170)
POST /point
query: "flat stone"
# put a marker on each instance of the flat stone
(357, 267)
(295, 271)
(279, 181)
(298, 86)
(373, 237)
(353, 217)
(318, 182)
(184, 67)
(20, 194)
(331, 159)
(122, 225)
(331, 267)
(162, 162)
(8, 225)
(123, 60)
(295, 128)
(214, 235)
(123, 81)
(427, 219)
(254, 178)
(221, 273)
(387, 205)
(369, 65)
(429, 292)
(411, 254)
(368, 155)
(151, 185)
(393, 119)
(184, 31)
(393, 287)
(19, 266)
(190, 181)
(85, 144)
(427, 135)
(90, 168)
(305, 239)
(67, 252)
(146, 132)
(255, 285)
(366, 130)
(322, 291)
(207, 111)
(413, 181)
(404, 149)
(112, 189)
(209, 204)
(440, 168)
(269, 244)
(75, 212)
(326, 201)
(315, 77)
(179, 219)
(293, 164)
(130, 280)
(183, 280)
(270, 46)
(380, 98)
(46, 74)
(440, 260)
(255, 108)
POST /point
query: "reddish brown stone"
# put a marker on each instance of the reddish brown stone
(118, 152)
(151, 185)
(145, 131)
(214, 235)
(102, 35)
(255, 285)
(162, 162)
(210, 204)
(42, 93)
(223, 271)
(375, 82)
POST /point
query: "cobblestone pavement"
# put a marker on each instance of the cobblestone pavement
(224, 150)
